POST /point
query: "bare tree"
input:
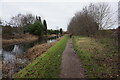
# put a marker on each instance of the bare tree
(27, 19)
(16, 20)
(83, 23)
(22, 20)
(91, 19)
(102, 14)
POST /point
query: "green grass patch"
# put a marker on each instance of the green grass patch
(47, 65)
(99, 57)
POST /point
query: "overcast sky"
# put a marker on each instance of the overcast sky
(57, 13)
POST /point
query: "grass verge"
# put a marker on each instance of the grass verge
(99, 57)
(47, 65)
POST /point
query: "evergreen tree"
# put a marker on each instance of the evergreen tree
(61, 31)
(45, 27)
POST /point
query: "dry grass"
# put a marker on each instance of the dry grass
(24, 38)
(37, 50)
(49, 36)
(99, 57)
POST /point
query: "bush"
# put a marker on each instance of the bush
(7, 30)
(36, 28)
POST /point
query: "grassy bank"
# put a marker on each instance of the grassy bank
(38, 49)
(99, 57)
(30, 55)
(47, 65)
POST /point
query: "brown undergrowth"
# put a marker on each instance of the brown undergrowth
(22, 39)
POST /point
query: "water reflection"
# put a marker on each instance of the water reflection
(8, 57)
(51, 40)
(17, 49)
(11, 62)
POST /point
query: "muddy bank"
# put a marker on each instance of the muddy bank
(23, 39)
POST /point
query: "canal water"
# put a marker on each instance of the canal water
(11, 62)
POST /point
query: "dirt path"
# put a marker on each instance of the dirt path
(71, 65)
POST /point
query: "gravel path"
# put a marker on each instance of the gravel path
(71, 66)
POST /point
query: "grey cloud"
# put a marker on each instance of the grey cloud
(56, 13)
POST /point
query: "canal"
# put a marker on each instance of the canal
(10, 61)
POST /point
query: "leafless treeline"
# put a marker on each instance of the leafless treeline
(91, 19)
(22, 20)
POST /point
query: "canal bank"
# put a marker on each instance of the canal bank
(16, 57)
(47, 65)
